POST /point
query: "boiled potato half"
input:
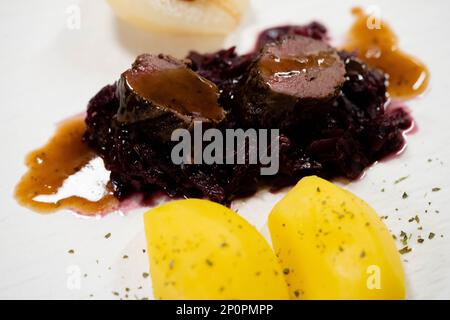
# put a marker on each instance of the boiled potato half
(332, 245)
(182, 16)
(202, 250)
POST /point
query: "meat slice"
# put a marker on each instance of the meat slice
(167, 95)
(288, 78)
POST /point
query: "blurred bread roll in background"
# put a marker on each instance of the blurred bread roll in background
(216, 17)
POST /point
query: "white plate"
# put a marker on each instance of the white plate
(49, 72)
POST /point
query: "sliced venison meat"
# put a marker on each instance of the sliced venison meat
(167, 95)
(287, 79)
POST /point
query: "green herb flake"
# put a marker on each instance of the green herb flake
(435, 189)
(431, 235)
(405, 250)
(71, 251)
(403, 238)
(405, 195)
(401, 179)
(145, 275)
(108, 235)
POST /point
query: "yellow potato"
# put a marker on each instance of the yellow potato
(332, 245)
(184, 17)
(202, 250)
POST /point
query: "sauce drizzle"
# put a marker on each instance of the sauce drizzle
(50, 166)
(378, 47)
(287, 66)
(180, 89)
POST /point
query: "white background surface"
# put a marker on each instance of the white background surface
(49, 72)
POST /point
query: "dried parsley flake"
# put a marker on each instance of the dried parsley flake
(405, 250)
(401, 179)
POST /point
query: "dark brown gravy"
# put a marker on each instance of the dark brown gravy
(291, 66)
(181, 89)
(48, 167)
(378, 47)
